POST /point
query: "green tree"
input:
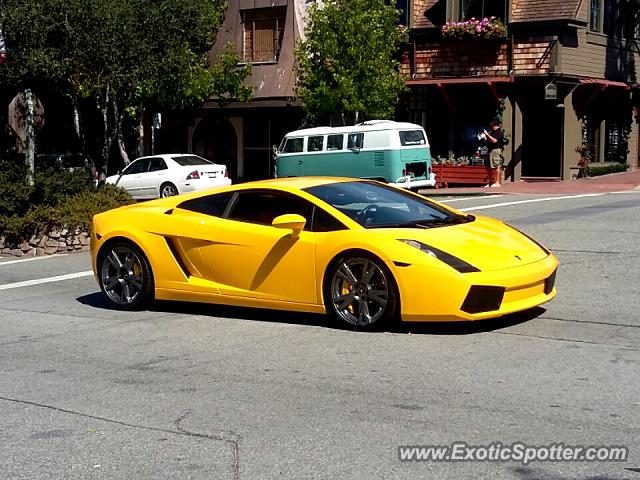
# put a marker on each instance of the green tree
(347, 62)
(115, 59)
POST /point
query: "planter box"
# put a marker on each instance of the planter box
(463, 174)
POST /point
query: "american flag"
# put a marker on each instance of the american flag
(3, 48)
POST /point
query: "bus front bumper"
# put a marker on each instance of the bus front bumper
(412, 182)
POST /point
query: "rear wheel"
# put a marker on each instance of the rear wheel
(125, 276)
(168, 190)
(360, 291)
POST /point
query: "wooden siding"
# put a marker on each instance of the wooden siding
(441, 59)
(419, 8)
(458, 59)
(598, 56)
(543, 10)
(532, 56)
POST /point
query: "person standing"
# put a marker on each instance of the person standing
(494, 140)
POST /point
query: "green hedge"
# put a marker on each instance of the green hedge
(72, 212)
(57, 200)
(606, 169)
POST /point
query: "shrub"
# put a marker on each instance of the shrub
(74, 212)
(595, 171)
(52, 186)
(15, 194)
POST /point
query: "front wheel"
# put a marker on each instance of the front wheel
(360, 292)
(125, 276)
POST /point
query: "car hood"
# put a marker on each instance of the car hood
(485, 243)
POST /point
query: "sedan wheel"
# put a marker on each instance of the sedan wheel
(168, 190)
(361, 292)
(125, 276)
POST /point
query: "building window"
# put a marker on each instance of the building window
(594, 15)
(480, 9)
(615, 17)
(262, 31)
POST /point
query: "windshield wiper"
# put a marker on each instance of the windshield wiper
(430, 222)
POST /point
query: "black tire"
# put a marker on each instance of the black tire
(125, 275)
(168, 189)
(360, 291)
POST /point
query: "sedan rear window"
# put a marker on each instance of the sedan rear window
(188, 160)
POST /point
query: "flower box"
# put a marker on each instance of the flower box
(464, 174)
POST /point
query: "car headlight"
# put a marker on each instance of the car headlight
(451, 260)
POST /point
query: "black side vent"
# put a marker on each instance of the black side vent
(171, 243)
(550, 282)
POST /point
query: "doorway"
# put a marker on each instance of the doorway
(216, 140)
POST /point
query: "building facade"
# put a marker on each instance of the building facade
(242, 134)
(564, 75)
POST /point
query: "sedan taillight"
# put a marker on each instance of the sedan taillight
(193, 175)
(226, 173)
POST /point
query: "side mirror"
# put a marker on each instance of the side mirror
(291, 221)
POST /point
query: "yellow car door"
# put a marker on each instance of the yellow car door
(247, 256)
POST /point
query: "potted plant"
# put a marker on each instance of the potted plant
(583, 162)
(488, 27)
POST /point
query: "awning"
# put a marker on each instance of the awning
(604, 83)
(459, 80)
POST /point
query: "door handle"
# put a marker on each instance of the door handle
(299, 162)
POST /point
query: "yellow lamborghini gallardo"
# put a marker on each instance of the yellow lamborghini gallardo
(360, 250)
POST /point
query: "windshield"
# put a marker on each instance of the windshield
(374, 205)
(185, 160)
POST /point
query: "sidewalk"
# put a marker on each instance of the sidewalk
(613, 182)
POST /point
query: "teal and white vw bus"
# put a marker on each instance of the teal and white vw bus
(394, 152)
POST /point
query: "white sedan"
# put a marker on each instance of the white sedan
(169, 174)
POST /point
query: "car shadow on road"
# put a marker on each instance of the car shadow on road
(97, 300)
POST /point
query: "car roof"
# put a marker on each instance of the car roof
(373, 125)
(299, 183)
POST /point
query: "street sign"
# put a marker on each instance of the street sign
(18, 115)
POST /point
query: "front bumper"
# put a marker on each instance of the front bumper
(428, 295)
(412, 182)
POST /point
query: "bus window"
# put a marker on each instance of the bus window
(293, 145)
(334, 142)
(354, 140)
(314, 144)
(411, 137)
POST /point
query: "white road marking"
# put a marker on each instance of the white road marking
(533, 200)
(38, 281)
(465, 198)
(31, 259)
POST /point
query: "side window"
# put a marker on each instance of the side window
(156, 164)
(262, 206)
(314, 144)
(293, 145)
(355, 140)
(325, 222)
(334, 142)
(214, 205)
(138, 166)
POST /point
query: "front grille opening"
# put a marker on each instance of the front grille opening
(419, 169)
(482, 298)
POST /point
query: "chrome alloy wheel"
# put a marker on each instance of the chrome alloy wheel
(359, 291)
(168, 190)
(122, 275)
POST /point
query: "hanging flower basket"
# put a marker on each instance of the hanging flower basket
(474, 29)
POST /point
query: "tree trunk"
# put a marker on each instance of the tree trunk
(31, 135)
(118, 120)
(140, 143)
(107, 138)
